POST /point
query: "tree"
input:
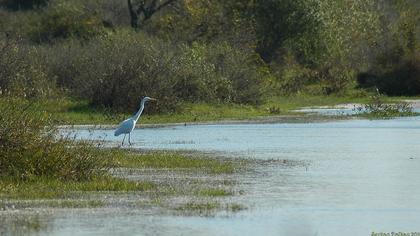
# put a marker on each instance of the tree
(143, 10)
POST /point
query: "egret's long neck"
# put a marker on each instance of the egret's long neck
(138, 114)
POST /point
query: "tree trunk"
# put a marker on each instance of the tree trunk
(134, 17)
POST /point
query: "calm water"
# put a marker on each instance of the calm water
(360, 176)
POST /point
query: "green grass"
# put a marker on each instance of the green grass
(288, 104)
(47, 188)
(75, 204)
(173, 160)
(214, 192)
(200, 208)
(54, 203)
(208, 208)
(70, 111)
(234, 207)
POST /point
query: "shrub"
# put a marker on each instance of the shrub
(30, 147)
(21, 73)
(226, 74)
(115, 70)
(63, 19)
(292, 77)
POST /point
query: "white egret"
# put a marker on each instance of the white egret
(128, 125)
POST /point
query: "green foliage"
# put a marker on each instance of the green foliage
(279, 22)
(63, 19)
(21, 73)
(109, 72)
(214, 192)
(168, 160)
(210, 50)
(224, 73)
(50, 188)
(29, 147)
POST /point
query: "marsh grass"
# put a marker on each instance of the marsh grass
(208, 208)
(71, 111)
(174, 161)
(54, 203)
(235, 207)
(30, 147)
(47, 188)
(204, 208)
(76, 204)
(378, 107)
(214, 192)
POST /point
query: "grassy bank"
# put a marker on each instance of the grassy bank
(173, 161)
(50, 188)
(69, 111)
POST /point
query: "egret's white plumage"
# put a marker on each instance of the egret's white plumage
(129, 124)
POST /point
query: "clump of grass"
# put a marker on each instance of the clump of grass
(171, 160)
(214, 192)
(47, 188)
(55, 203)
(75, 204)
(199, 208)
(208, 208)
(377, 108)
(29, 147)
(235, 207)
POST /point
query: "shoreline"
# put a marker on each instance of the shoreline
(304, 118)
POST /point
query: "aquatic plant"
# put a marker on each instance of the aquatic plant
(378, 108)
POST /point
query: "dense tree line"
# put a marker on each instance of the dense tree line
(111, 52)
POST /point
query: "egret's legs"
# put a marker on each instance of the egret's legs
(129, 138)
(122, 144)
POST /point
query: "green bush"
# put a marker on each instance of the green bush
(21, 72)
(117, 69)
(64, 19)
(219, 72)
(30, 147)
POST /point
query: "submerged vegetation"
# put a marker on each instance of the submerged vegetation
(378, 108)
(173, 160)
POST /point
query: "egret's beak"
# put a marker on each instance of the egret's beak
(153, 99)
